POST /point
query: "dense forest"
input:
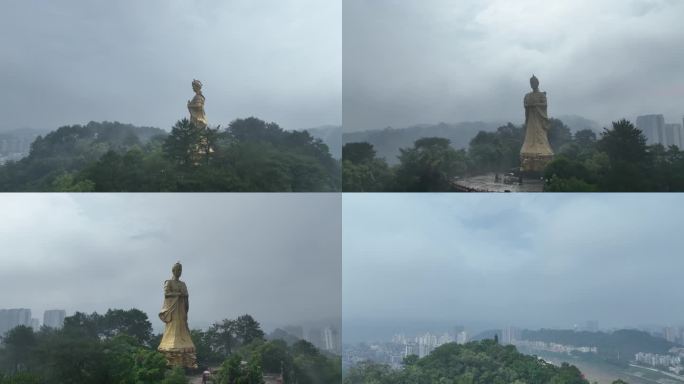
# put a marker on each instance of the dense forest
(618, 159)
(248, 155)
(618, 347)
(485, 362)
(120, 347)
(388, 141)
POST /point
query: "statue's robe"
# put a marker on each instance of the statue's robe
(536, 126)
(196, 109)
(174, 314)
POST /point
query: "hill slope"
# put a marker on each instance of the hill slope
(482, 362)
(249, 155)
(388, 141)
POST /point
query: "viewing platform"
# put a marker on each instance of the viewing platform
(504, 183)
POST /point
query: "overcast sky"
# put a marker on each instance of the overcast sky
(72, 61)
(416, 61)
(274, 256)
(529, 260)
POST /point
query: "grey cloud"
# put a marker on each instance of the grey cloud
(72, 62)
(275, 256)
(409, 62)
(527, 260)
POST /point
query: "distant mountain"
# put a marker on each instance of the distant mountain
(388, 141)
(249, 155)
(487, 335)
(619, 345)
(578, 123)
(69, 149)
(16, 143)
(331, 136)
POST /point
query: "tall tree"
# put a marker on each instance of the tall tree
(429, 166)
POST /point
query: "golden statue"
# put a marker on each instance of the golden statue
(536, 152)
(196, 106)
(176, 343)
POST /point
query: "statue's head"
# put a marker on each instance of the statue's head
(177, 270)
(196, 85)
(534, 83)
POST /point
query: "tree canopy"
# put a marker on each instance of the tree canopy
(618, 159)
(248, 155)
(485, 362)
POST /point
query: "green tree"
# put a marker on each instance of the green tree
(20, 343)
(230, 371)
(222, 337)
(132, 322)
(362, 171)
(175, 376)
(247, 329)
(429, 166)
(189, 145)
(625, 146)
(358, 153)
(585, 138)
(559, 134)
(253, 372)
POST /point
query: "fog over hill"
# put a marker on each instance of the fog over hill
(331, 135)
(388, 141)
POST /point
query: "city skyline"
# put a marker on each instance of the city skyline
(412, 62)
(71, 63)
(241, 253)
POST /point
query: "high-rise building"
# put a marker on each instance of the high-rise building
(54, 318)
(445, 339)
(35, 324)
(653, 127)
(509, 335)
(330, 339)
(462, 337)
(410, 348)
(672, 334)
(426, 344)
(12, 318)
(673, 135)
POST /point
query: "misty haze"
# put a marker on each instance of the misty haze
(416, 62)
(588, 279)
(171, 96)
(437, 96)
(275, 257)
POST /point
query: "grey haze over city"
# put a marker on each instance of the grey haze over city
(490, 261)
(70, 62)
(413, 62)
(273, 256)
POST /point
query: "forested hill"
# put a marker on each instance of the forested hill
(480, 362)
(388, 141)
(331, 136)
(248, 155)
(619, 345)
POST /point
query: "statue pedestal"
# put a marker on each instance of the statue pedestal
(534, 164)
(181, 358)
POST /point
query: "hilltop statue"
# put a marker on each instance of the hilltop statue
(196, 106)
(176, 343)
(536, 152)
